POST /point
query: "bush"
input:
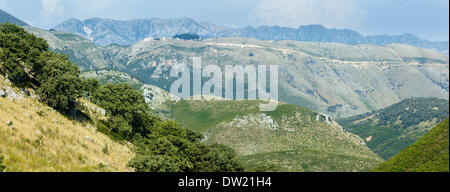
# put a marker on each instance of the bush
(2, 167)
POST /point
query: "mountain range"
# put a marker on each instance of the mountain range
(337, 79)
(104, 32)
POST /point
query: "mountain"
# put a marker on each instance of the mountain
(104, 32)
(80, 50)
(291, 138)
(390, 130)
(6, 17)
(429, 154)
(35, 137)
(336, 79)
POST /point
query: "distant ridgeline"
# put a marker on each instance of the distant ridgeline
(104, 32)
(388, 131)
(429, 154)
(6, 17)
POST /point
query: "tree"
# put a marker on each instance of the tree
(128, 113)
(26, 61)
(120, 99)
(60, 84)
(214, 158)
(90, 86)
(20, 51)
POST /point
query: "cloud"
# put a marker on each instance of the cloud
(51, 9)
(293, 13)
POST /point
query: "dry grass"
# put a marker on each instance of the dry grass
(39, 139)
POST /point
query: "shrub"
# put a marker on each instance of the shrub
(2, 167)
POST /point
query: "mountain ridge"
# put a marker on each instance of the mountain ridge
(109, 31)
(6, 17)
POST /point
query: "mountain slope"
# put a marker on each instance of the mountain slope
(35, 138)
(390, 130)
(81, 51)
(429, 154)
(6, 17)
(266, 140)
(340, 80)
(107, 31)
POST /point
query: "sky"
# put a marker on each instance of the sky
(428, 19)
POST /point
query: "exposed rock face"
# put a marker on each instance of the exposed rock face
(10, 93)
(262, 121)
(107, 31)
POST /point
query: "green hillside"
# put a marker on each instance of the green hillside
(291, 138)
(390, 130)
(429, 154)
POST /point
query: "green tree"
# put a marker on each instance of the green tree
(26, 61)
(120, 99)
(20, 51)
(90, 86)
(60, 84)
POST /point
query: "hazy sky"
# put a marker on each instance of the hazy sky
(426, 18)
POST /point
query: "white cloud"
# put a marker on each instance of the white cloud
(51, 9)
(293, 13)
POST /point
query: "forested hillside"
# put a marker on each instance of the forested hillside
(429, 154)
(390, 130)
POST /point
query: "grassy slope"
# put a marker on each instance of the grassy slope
(429, 154)
(299, 144)
(394, 128)
(41, 139)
